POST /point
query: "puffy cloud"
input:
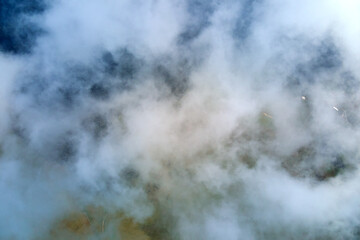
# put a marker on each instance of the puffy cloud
(180, 120)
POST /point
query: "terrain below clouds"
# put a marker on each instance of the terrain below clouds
(179, 120)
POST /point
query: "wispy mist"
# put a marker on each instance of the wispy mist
(179, 119)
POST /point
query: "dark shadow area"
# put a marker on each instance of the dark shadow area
(17, 32)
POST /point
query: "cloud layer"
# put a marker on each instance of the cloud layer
(179, 119)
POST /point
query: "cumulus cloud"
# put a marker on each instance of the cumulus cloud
(179, 119)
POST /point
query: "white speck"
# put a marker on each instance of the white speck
(267, 115)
